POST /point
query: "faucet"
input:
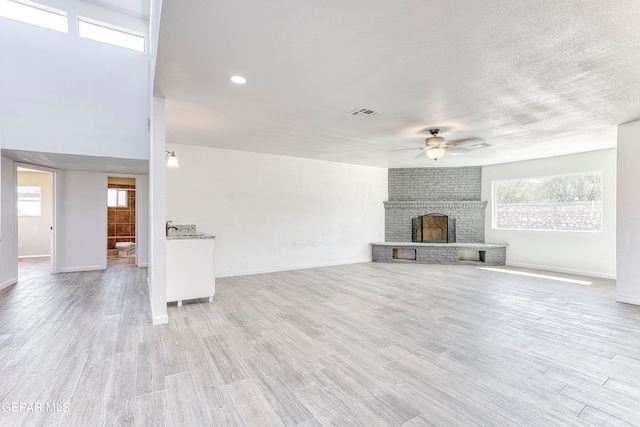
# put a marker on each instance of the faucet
(169, 227)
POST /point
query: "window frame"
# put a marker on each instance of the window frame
(494, 202)
(117, 191)
(106, 25)
(43, 8)
(39, 201)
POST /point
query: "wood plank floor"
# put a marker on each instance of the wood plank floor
(359, 345)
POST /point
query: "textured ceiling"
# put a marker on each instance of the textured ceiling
(76, 162)
(533, 79)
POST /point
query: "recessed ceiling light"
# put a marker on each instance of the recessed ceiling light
(239, 80)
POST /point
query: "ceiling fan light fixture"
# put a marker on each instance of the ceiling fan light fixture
(434, 141)
(435, 153)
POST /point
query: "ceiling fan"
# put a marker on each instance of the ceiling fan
(436, 146)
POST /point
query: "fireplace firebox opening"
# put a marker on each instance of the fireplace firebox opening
(431, 228)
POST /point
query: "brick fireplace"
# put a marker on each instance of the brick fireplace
(435, 215)
(465, 219)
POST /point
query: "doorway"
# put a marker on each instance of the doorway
(121, 220)
(36, 216)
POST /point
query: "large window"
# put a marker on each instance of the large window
(29, 200)
(559, 203)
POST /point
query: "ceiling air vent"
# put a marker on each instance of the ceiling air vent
(365, 113)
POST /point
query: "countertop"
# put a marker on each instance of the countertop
(185, 232)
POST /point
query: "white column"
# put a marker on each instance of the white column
(628, 214)
(8, 226)
(157, 215)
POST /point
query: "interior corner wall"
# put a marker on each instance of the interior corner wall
(8, 226)
(628, 214)
(82, 221)
(272, 213)
(586, 253)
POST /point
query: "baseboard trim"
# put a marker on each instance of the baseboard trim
(303, 267)
(563, 270)
(160, 320)
(79, 269)
(8, 283)
(627, 299)
(156, 320)
(34, 256)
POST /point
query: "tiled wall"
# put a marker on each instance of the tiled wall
(122, 221)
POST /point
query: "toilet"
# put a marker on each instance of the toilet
(125, 249)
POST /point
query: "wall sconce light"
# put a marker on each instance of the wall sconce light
(171, 160)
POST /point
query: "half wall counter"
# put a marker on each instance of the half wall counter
(190, 272)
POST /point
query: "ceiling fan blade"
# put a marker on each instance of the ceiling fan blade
(467, 142)
(460, 150)
(401, 149)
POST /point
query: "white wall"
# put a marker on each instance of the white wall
(34, 232)
(8, 226)
(82, 221)
(628, 212)
(157, 197)
(588, 253)
(273, 213)
(60, 93)
(157, 241)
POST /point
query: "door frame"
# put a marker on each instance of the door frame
(55, 185)
(106, 222)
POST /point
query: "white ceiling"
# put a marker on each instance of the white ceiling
(534, 79)
(75, 162)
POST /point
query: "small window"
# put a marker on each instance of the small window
(29, 200)
(559, 203)
(107, 33)
(35, 14)
(117, 198)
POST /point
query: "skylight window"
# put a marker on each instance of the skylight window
(35, 14)
(107, 33)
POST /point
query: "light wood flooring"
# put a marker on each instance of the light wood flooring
(359, 345)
